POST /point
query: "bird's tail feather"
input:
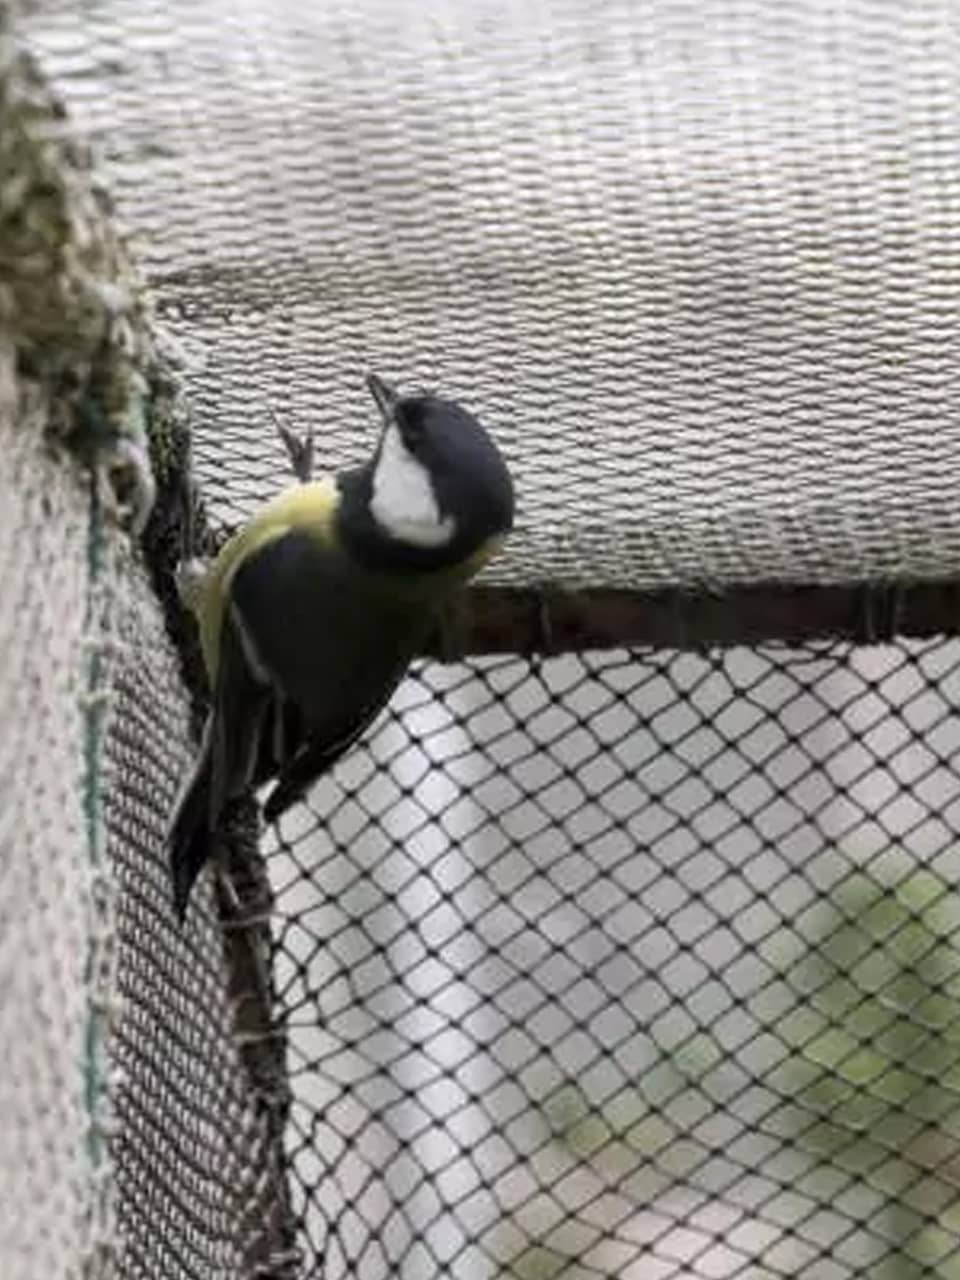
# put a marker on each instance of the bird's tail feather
(190, 836)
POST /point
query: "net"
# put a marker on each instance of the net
(633, 964)
(197, 1188)
(46, 1167)
(636, 959)
(694, 264)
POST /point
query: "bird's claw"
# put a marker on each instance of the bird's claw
(299, 450)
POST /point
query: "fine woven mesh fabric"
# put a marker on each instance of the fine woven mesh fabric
(46, 1188)
(635, 965)
(134, 1142)
(694, 263)
(195, 1175)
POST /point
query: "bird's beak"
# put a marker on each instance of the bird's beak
(384, 395)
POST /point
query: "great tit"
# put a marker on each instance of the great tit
(311, 614)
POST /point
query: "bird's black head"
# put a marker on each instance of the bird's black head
(435, 492)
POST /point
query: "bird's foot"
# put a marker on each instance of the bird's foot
(299, 450)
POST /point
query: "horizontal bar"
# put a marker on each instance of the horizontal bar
(490, 619)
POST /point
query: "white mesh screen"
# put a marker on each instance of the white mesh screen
(693, 262)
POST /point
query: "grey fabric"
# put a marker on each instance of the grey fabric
(694, 263)
(134, 1140)
(46, 1177)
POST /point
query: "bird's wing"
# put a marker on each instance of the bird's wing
(309, 758)
(330, 647)
(244, 688)
(240, 702)
(188, 836)
(224, 764)
(309, 507)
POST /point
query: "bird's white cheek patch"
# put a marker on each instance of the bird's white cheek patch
(404, 504)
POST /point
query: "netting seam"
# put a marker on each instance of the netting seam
(99, 974)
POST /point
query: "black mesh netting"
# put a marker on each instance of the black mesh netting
(198, 1191)
(633, 964)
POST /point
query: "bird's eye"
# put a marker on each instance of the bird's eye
(411, 428)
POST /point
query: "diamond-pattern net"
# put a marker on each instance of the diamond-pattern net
(195, 1171)
(634, 965)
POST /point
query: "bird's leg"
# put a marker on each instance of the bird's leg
(299, 449)
(450, 630)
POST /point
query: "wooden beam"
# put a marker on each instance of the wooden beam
(519, 620)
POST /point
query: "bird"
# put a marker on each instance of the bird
(312, 612)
